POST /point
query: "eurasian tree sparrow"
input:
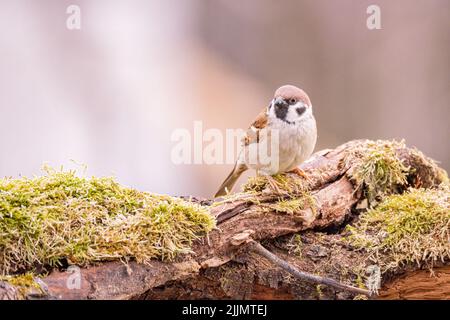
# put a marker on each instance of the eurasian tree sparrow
(282, 137)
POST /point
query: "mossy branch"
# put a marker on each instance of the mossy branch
(157, 242)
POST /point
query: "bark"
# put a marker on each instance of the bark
(223, 266)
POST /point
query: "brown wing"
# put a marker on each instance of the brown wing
(260, 122)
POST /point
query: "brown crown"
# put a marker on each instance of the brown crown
(289, 91)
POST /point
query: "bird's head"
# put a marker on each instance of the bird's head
(290, 104)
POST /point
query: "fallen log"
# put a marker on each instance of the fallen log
(304, 225)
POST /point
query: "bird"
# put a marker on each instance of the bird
(282, 137)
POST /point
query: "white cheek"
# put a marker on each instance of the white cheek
(272, 112)
(293, 114)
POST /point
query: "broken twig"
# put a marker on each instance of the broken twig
(259, 249)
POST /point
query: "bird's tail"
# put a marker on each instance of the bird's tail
(230, 181)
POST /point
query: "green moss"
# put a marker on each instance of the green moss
(284, 182)
(377, 169)
(255, 184)
(23, 283)
(281, 186)
(296, 197)
(288, 206)
(60, 216)
(22, 280)
(319, 290)
(413, 227)
(293, 205)
(295, 245)
(361, 297)
(443, 176)
(359, 282)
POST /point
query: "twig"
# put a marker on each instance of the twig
(259, 249)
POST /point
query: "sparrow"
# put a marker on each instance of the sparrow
(282, 137)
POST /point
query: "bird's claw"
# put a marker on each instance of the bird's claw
(300, 173)
(273, 185)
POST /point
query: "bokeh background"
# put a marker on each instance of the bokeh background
(111, 94)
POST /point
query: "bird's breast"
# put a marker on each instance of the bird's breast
(294, 144)
(297, 143)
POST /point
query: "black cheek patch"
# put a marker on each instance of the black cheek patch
(300, 110)
(281, 111)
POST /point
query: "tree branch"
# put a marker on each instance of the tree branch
(335, 197)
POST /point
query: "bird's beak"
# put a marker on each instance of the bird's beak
(279, 101)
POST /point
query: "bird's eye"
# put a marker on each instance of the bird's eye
(292, 101)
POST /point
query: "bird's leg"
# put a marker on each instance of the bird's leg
(300, 173)
(273, 184)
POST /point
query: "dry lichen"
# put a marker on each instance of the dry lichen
(376, 168)
(412, 228)
(59, 216)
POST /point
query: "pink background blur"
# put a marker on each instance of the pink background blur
(110, 95)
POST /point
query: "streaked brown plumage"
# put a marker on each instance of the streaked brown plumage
(290, 117)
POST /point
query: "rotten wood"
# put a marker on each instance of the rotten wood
(419, 285)
(250, 277)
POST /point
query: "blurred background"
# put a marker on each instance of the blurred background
(110, 94)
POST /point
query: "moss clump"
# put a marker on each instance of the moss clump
(293, 205)
(23, 283)
(22, 280)
(288, 206)
(295, 245)
(377, 169)
(284, 182)
(410, 228)
(279, 185)
(427, 173)
(255, 184)
(443, 176)
(296, 195)
(59, 216)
